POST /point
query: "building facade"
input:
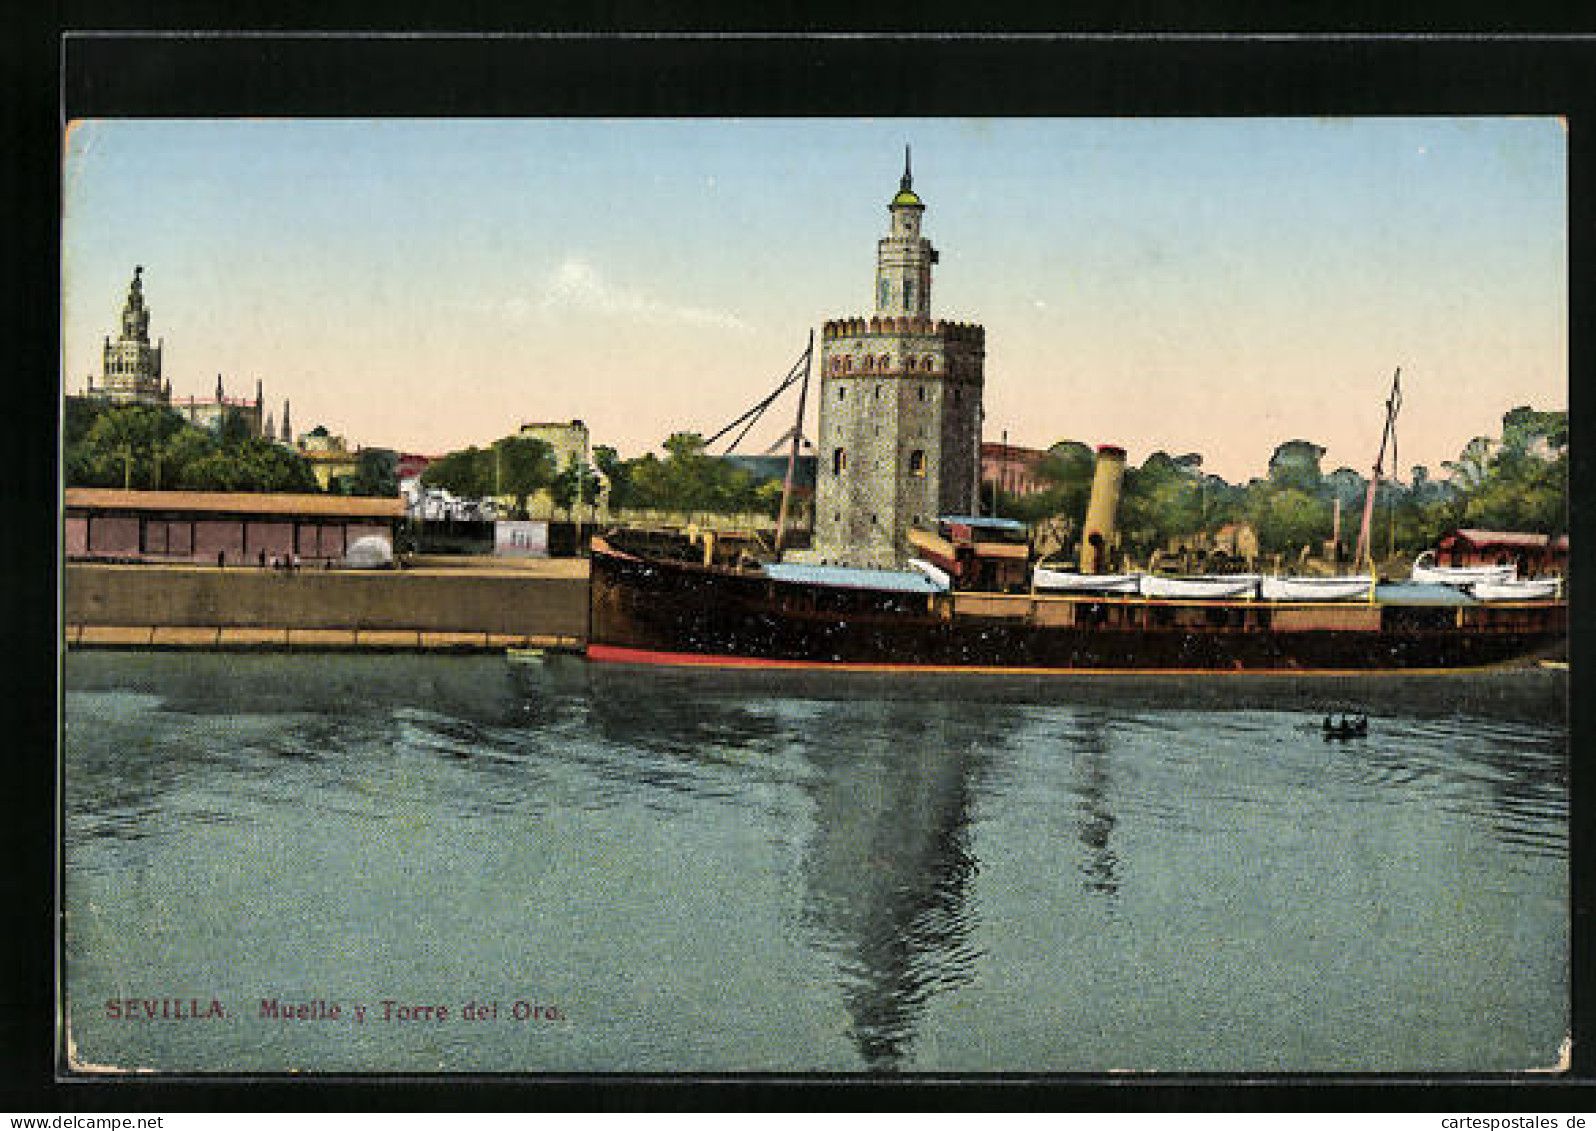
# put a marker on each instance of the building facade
(209, 412)
(328, 455)
(1012, 468)
(219, 528)
(567, 440)
(900, 408)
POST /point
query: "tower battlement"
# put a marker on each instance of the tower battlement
(879, 325)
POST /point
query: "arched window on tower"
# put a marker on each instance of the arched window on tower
(917, 462)
(839, 461)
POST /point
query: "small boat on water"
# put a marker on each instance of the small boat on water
(1426, 572)
(1069, 581)
(1539, 589)
(1346, 726)
(1316, 588)
(1207, 586)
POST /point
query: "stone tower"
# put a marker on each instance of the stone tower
(900, 408)
(132, 367)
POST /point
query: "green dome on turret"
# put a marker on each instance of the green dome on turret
(906, 197)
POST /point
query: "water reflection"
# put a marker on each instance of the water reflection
(889, 865)
(931, 859)
(1101, 867)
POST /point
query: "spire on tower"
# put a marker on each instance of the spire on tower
(135, 318)
(218, 388)
(907, 183)
(288, 433)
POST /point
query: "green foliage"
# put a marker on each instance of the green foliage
(151, 447)
(1517, 482)
(1065, 474)
(376, 474)
(618, 473)
(467, 474)
(1294, 465)
(1287, 518)
(576, 482)
(522, 466)
(690, 479)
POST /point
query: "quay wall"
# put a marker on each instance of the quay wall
(388, 608)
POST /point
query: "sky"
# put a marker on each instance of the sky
(1187, 285)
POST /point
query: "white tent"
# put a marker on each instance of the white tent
(371, 552)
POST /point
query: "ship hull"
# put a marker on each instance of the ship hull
(663, 612)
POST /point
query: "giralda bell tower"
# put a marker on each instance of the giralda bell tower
(900, 407)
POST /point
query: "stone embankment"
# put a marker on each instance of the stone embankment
(460, 604)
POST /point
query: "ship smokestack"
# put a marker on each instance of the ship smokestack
(1097, 535)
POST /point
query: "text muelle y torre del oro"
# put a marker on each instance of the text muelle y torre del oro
(389, 1010)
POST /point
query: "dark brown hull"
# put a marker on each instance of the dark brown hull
(656, 611)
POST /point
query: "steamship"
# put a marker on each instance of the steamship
(652, 609)
(972, 600)
(900, 420)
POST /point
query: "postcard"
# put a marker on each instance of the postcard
(954, 595)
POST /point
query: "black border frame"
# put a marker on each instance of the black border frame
(1199, 70)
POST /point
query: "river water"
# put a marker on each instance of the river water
(648, 871)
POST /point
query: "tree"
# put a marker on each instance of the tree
(467, 474)
(376, 474)
(566, 488)
(1160, 501)
(1295, 464)
(1472, 466)
(617, 473)
(524, 465)
(690, 479)
(1288, 518)
(150, 446)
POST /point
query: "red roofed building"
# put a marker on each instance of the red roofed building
(1011, 467)
(1534, 554)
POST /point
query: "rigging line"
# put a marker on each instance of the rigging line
(760, 407)
(792, 376)
(746, 429)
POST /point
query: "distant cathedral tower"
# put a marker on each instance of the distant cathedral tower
(900, 407)
(131, 370)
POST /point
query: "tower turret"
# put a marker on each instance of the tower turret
(904, 257)
(131, 366)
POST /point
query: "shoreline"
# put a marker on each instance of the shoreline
(448, 605)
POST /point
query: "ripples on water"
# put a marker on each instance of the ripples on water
(807, 873)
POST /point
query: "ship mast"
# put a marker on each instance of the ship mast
(792, 452)
(1392, 404)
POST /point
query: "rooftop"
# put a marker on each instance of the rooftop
(232, 502)
(983, 522)
(849, 577)
(1505, 538)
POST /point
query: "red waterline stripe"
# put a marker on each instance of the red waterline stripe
(609, 654)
